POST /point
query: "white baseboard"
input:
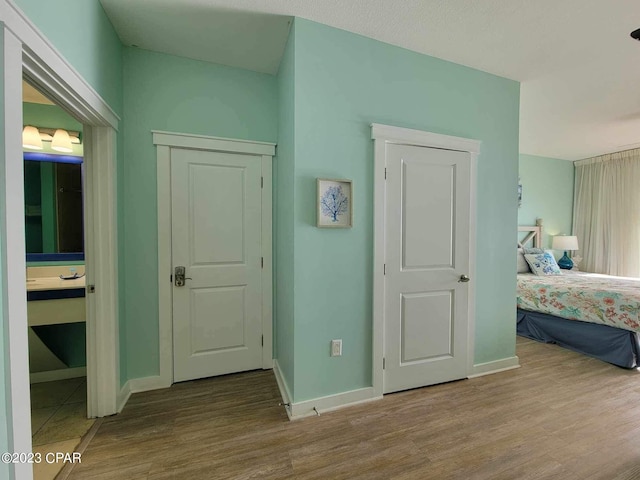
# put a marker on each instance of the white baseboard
(316, 406)
(480, 369)
(145, 384)
(53, 375)
(123, 397)
(283, 387)
(137, 385)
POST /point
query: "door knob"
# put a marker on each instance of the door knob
(179, 276)
(463, 279)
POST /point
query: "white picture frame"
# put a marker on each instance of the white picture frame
(334, 203)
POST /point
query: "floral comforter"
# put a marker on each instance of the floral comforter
(589, 297)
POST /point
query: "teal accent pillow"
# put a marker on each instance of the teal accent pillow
(543, 264)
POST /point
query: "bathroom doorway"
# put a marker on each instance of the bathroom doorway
(54, 194)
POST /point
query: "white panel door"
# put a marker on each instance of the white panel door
(426, 253)
(216, 235)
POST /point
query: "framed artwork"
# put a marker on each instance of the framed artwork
(335, 203)
(519, 193)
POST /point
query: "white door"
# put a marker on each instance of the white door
(426, 253)
(216, 235)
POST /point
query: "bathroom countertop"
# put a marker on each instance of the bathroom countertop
(53, 283)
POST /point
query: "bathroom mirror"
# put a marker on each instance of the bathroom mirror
(53, 207)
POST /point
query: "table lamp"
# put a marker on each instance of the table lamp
(566, 243)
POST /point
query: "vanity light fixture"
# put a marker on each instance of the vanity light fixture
(61, 140)
(31, 138)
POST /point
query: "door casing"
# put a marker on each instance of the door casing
(164, 141)
(383, 135)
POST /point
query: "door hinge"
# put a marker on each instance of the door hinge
(261, 182)
(171, 278)
(262, 340)
(91, 288)
(384, 269)
(384, 363)
(261, 262)
(385, 173)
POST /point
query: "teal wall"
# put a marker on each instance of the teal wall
(331, 86)
(547, 193)
(48, 116)
(283, 209)
(343, 83)
(83, 34)
(164, 92)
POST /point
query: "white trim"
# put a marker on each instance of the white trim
(101, 260)
(318, 406)
(164, 141)
(267, 254)
(406, 136)
(473, 222)
(145, 384)
(219, 144)
(61, 374)
(496, 366)
(165, 292)
(123, 397)
(379, 306)
(137, 385)
(383, 135)
(46, 67)
(13, 262)
(283, 387)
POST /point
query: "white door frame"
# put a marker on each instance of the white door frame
(164, 141)
(27, 51)
(383, 135)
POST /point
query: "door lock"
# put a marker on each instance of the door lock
(179, 276)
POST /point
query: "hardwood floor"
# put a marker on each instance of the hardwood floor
(560, 416)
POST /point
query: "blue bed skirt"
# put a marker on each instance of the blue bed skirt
(612, 345)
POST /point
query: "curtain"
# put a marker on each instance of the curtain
(606, 213)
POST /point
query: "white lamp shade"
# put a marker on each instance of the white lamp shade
(61, 142)
(31, 138)
(565, 242)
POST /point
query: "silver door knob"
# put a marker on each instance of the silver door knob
(463, 279)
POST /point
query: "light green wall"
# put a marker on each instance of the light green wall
(164, 92)
(81, 31)
(48, 116)
(284, 207)
(343, 83)
(547, 193)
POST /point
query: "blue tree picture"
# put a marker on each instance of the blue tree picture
(334, 202)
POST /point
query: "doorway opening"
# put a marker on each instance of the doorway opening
(53, 154)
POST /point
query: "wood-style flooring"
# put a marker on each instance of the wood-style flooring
(560, 416)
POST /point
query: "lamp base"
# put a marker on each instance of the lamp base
(565, 262)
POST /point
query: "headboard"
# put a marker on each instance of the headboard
(534, 234)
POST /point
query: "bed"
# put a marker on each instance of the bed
(597, 315)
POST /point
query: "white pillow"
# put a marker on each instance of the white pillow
(523, 266)
(543, 264)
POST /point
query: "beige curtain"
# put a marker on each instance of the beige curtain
(606, 213)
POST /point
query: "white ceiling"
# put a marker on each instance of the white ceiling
(579, 69)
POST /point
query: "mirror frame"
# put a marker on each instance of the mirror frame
(53, 257)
